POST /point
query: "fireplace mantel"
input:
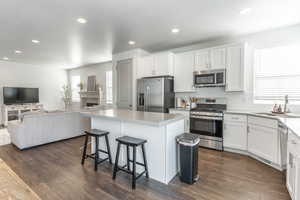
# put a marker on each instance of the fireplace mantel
(89, 97)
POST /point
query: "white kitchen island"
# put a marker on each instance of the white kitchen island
(159, 129)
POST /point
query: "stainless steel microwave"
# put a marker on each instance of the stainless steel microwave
(210, 79)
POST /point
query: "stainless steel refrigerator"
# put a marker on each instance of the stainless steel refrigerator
(155, 94)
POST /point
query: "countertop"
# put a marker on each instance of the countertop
(148, 118)
(292, 123)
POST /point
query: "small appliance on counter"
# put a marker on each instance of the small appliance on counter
(206, 120)
(188, 156)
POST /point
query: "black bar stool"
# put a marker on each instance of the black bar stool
(131, 142)
(97, 134)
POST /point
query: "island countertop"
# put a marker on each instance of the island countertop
(148, 118)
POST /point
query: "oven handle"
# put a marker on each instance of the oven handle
(207, 118)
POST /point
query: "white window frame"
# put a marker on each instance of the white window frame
(270, 100)
(108, 87)
(75, 89)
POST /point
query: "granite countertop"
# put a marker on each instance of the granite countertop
(148, 118)
(292, 123)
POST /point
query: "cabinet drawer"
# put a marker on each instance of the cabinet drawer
(262, 121)
(235, 118)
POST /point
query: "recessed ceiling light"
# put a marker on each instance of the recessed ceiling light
(131, 42)
(35, 41)
(175, 30)
(81, 20)
(245, 11)
(5, 58)
(18, 51)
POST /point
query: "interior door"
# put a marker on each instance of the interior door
(124, 83)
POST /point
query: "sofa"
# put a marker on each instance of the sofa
(41, 128)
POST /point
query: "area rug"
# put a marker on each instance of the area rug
(12, 187)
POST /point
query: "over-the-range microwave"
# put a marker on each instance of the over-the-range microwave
(214, 78)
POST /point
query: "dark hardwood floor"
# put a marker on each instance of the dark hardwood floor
(54, 172)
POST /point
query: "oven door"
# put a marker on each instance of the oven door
(206, 126)
(204, 79)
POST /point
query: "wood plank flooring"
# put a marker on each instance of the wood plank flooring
(54, 172)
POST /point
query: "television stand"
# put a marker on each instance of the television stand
(13, 112)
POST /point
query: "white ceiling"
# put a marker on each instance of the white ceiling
(112, 23)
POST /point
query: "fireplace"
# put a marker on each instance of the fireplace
(91, 104)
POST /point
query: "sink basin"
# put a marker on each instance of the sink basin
(285, 115)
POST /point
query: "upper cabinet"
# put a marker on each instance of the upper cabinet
(160, 64)
(235, 68)
(210, 59)
(202, 60)
(183, 72)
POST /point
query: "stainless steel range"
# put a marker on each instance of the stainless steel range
(207, 121)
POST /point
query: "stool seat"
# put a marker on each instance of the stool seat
(97, 132)
(131, 141)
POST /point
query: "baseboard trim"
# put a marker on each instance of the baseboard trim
(262, 160)
(27, 148)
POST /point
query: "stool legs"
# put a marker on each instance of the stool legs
(96, 153)
(145, 160)
(116, 161)
(128, 157)
(84, 149)
(134, 168)
(108, 149)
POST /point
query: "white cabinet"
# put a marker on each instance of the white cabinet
(160, 64)
(210, 59)
(293, 166)
(202, 60)
(183, 72)
(235, 68)
(235, 132)
(263, 138)
(218, 58)
(186, 115)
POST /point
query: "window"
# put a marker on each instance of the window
(75, 82)
(277, 73)
(109, 89)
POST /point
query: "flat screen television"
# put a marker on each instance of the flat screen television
(16, 95)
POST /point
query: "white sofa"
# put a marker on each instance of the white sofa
(41, 128)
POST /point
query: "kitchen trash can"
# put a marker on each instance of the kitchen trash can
(188, 157)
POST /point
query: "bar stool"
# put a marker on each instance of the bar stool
(131, 142)
(97, 134)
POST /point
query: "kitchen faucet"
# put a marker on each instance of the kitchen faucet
(286, 101)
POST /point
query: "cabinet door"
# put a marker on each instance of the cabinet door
(290, 174)
(297, 178)
(163, 64)
(263, 142)
(202, 60)
(218, 58)
(147, 67)
(235, 68)
(183, 72)
(235, 135)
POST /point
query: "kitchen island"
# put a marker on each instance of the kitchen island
(159, 129)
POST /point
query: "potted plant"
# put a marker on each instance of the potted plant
(67, 96)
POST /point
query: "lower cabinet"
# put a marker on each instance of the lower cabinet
(186, 114)
(293, 167)
(235, 132)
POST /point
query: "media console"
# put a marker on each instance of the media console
(13, 112)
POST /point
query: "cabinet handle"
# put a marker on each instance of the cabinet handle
(224, 126)
(248, 129)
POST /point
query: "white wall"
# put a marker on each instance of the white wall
(48, 80)
(244, 100)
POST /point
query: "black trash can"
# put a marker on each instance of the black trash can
(188, 157)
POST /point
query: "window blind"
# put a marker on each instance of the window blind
(277, 73)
